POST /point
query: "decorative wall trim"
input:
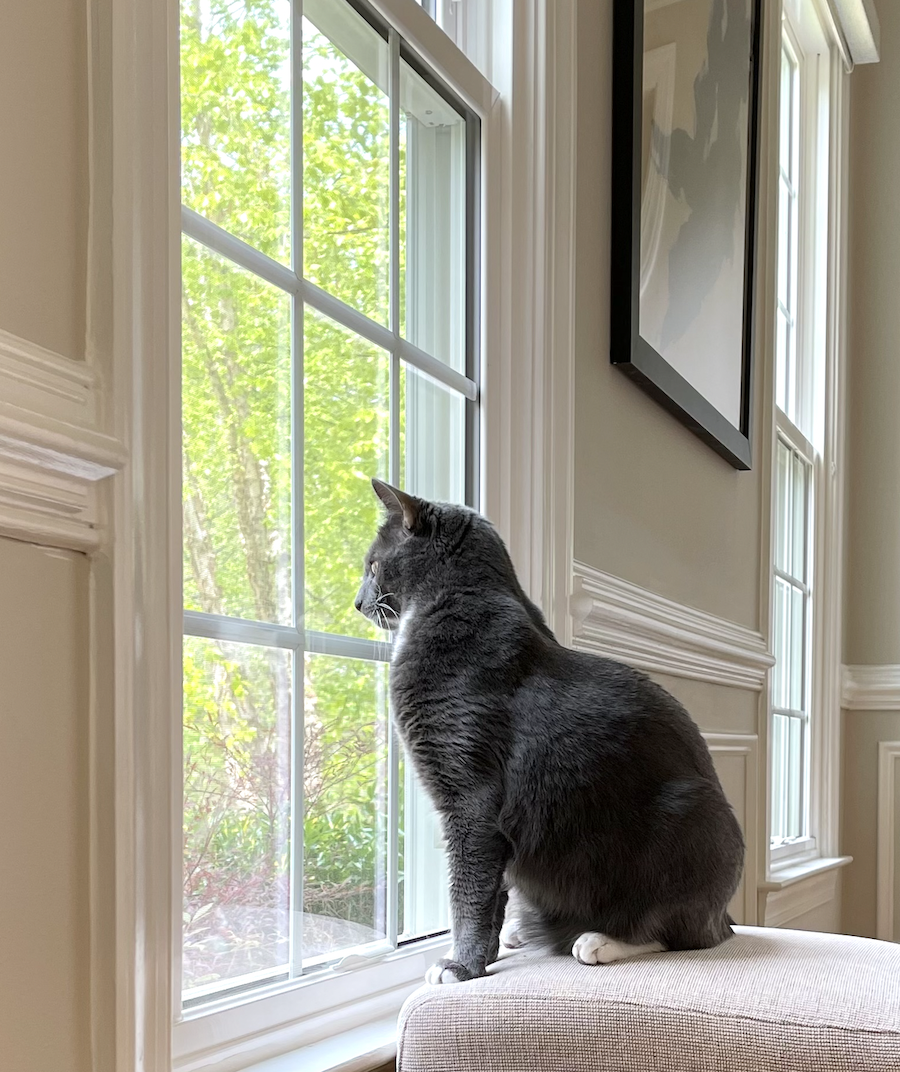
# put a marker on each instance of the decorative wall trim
(623, 621)
(870, 688)
(886, 882)
(52, 453)
(744, 748)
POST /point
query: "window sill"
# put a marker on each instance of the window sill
(790, 873)
(796, 888)
(360, 1050)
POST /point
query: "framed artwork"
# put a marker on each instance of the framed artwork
(686, 86)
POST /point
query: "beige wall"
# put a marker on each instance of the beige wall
(653, 504)
(873, 589)
(43, 801)
(43, 175)
(44, 980)
(872, 620)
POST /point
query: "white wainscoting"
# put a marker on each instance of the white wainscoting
(735, 757)
(888, 879)
(52, 451)
(623, 621)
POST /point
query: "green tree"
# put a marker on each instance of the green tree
(238, 338)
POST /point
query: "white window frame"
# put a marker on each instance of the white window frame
(526, 485)
(820, 339)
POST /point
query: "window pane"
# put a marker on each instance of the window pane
(787, 777)
(235, 118)
(783, 514)
(434, 438)
(346, 441)
(424, 893)
(784, 221)
(782, 361)
(346, 158)
(237, 767)
(236, 347)
(800, 503)
(782, 630)
(345, 793)
(797, 700)
(785, 109)
(432, 253)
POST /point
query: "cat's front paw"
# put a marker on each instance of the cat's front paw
(448, 971)
(510, 935)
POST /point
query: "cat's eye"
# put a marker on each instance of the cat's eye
(373, 566)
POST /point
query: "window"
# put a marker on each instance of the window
(800, 440)
(330, 210)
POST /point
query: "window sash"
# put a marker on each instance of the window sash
(804, 176)
(403, 353)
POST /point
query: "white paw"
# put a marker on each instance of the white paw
(595, 948)
(438, 974)
(509, 935)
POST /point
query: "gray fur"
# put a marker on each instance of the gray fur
(574, 779)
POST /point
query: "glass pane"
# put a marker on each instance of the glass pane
(785, 109)
(346, 441)
(783, 513)
(345, 795)
(784, 250)
(346, 157)
(782, 363)
(782, 630)
(433, 439)
(779, 770)
(433, 238)
(237, 778)
(236, 382)
(798, 650)
(425, 888)
(800, 502)
(235, 118)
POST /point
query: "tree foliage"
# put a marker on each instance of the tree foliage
(250, 416)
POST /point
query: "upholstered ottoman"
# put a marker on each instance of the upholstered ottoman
(791, 1001)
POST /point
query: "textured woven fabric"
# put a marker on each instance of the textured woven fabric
(785, 1001)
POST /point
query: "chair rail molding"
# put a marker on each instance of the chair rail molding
(870, 688)
(620, 620)
(53, 454)
(887, 878)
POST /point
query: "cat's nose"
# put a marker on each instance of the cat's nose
(358, 603)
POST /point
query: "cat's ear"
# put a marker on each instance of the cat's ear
(400, 505)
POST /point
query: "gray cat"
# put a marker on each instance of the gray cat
(572, 781)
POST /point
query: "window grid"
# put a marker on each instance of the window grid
(794, 483)
(402, 354)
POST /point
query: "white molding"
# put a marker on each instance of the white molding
(623, 621)
(794, 899)
(745, 746)
(858, 28)
(136, 66)
(886, 883)
(52, 452)
(871, 688)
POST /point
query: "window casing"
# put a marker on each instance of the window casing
(301, 329)
(799, 688)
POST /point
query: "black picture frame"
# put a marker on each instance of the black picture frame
(629, 351)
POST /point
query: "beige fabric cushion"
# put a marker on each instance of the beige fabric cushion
(791, 1001)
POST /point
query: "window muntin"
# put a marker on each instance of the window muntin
(299, 383)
